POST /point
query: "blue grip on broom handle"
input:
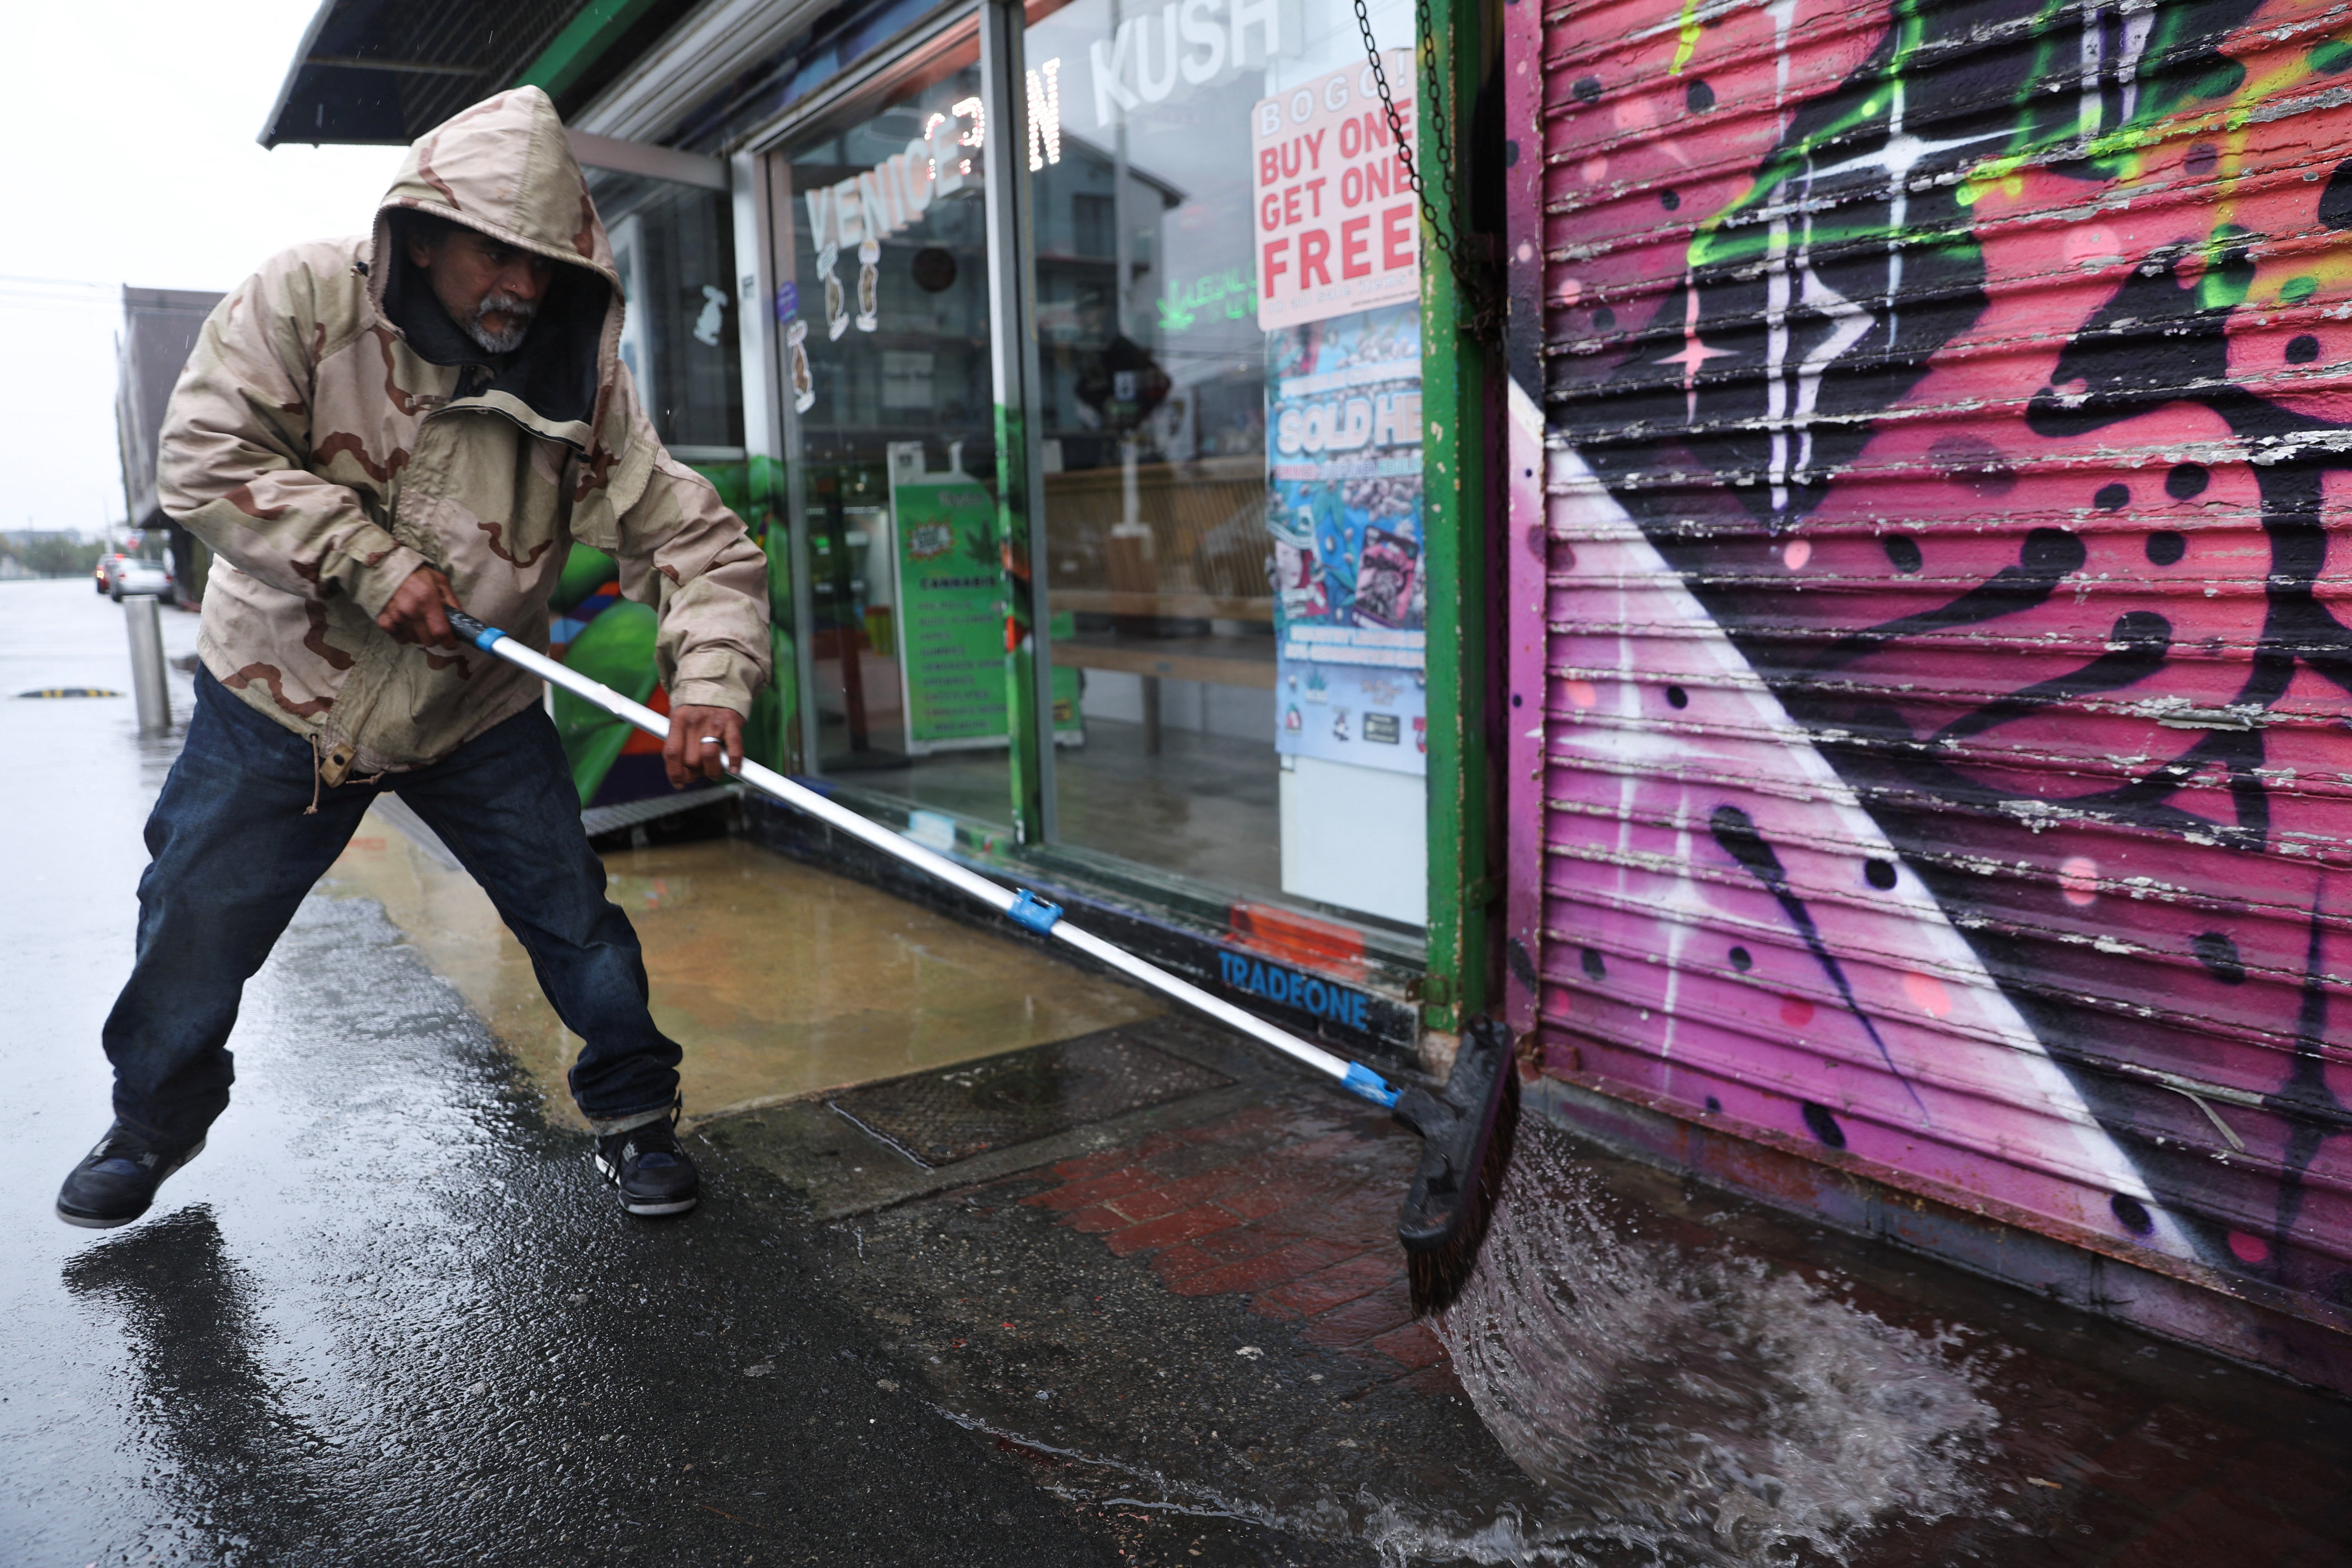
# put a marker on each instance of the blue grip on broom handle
(1023, 906)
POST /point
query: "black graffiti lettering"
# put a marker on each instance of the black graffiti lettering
(2046, 558)
(1694, 422)
(1735, 830)
(2142, 638)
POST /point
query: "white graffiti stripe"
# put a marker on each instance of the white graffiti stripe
(1976, 1056)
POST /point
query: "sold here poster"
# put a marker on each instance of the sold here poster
(1338, 228)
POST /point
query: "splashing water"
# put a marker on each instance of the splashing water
(1697, 1408)
(1680, 1404)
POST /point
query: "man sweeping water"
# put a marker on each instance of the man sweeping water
(370, 432)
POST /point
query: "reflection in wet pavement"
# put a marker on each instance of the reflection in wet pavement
(233, 1457)
(388, 1317)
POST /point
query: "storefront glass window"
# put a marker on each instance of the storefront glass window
(674, 247)
(1229, 344)
(882, 264)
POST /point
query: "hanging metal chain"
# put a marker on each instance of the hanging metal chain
(1475, 288)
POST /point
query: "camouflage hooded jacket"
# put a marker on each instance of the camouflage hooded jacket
(325, 453)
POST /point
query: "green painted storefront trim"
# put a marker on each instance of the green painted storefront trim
(597, 27)
(1453, 373)
(1030, 723)
(1021, 519)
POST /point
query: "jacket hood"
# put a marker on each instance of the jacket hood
(505, 168)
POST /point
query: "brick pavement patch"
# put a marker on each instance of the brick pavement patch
(1292, 1205)
(1333, 1286)
(1168, 1229)
(1359, 1322)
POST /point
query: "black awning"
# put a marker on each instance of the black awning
(390, 70)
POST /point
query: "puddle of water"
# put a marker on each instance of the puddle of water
(1688, 1406)
(778, 979)
(639, 894)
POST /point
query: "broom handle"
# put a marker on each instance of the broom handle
(1022, 907)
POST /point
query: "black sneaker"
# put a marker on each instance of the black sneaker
(116, 1181)
(649, 1167)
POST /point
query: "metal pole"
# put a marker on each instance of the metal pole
(148, 683)
(1355, 1078)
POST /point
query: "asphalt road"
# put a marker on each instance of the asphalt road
(389, 1316)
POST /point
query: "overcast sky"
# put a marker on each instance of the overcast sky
(132, 125)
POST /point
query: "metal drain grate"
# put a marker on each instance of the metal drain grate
(938, 1117)
(601, 820)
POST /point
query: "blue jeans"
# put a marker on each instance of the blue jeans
(234, 854)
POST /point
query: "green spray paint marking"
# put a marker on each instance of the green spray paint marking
(1718, 243)
(1686, 44)
(2228, 274)
(2043, 121)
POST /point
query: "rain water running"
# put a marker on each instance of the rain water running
(1680, 1402)
(1694, 1406)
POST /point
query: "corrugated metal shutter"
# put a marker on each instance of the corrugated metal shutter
(1945, 665)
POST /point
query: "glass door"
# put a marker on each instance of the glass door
(1220, 498)
(883, 299)
(672, 247)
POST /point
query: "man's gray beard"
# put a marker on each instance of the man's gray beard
(504, 343)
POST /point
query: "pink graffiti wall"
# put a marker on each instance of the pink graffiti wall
(1931, 455)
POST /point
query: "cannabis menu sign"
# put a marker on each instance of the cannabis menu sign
(950, 615)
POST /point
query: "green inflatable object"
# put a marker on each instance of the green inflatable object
(585, 570)
(769, 735)
(733, 483)
(617, 648)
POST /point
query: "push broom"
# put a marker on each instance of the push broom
(1440, 1223)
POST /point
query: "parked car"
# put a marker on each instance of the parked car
(134, 576)
(107, 565)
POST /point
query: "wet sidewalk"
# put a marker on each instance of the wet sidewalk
(1209, 1323)
(1159, 1271)
(1002, 1264)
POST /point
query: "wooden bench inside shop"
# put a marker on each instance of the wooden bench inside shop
(1185, 543)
